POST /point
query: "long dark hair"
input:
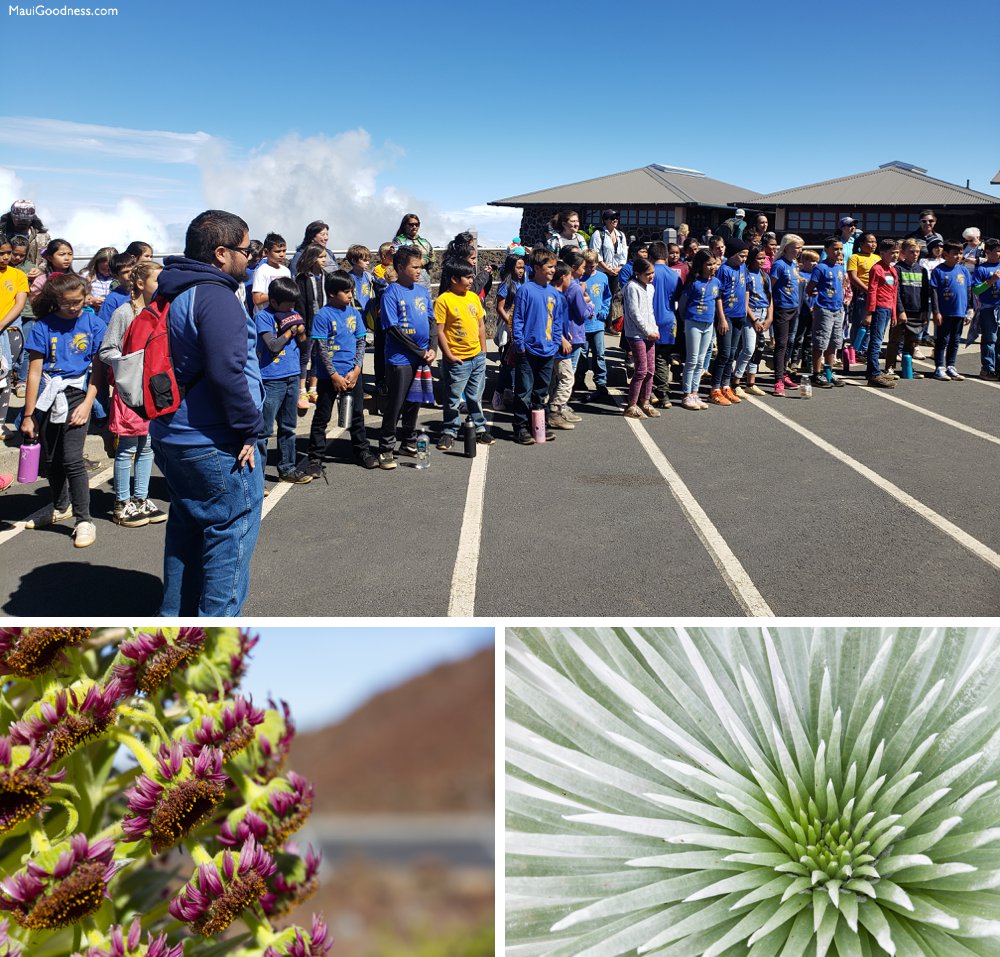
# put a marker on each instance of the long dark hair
(308, 259)
(401, 229)
(53, 246)
(47, 301)
(701, 257)
(316, 226)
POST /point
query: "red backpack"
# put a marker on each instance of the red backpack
(144, 376)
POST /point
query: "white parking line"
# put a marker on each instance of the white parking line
(462, 600)
(732, 571)
(950, 529)
(882, 394)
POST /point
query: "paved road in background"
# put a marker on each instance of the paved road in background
(856, 502)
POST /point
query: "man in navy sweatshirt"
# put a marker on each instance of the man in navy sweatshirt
(205, 449)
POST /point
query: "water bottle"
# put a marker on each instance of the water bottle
(907, 366)
(27, 462)
(423, 455)
(469, 438)
(805, 387)
(538, 425)
(344, 410)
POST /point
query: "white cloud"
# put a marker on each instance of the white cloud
(88, 229)
(10, 188)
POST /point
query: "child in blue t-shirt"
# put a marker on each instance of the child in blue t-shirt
(666, 285)
(410, 342)
(339, 330)
(986, 285)
(60, 394)
(702, 310)
(279, 331)
(599, 292)
(950, 285)
(828, 282)
(512, 275)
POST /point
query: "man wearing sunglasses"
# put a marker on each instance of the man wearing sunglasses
(205, 449)
(925, 232)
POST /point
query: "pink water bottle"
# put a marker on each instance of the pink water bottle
(27, 462)
(538, 425)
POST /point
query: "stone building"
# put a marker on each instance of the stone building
(649, 199)
(886, 201)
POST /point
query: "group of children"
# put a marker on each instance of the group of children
(688, 314)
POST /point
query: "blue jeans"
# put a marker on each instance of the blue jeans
(728, 347)
(698, 336)
(467, 378)
(531, 387)
(129, 447)
(859, 334)
(22, 369)
(593, 356)
(989, 320)
(880, 322)
(946, 340)
(281, 397)
(212, 528)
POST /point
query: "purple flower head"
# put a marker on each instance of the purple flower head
(73, 889)
(153, 658)
(282, 808)
(118, 944)
(66, 721)
(314, 943)
(8, 947)
(220, 891)
(274, 742)
(168, 809)
(232, 730)
(24, 782)
(238, 662)
(295, 880)
(29, 652)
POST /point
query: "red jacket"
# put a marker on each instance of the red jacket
(883, 288)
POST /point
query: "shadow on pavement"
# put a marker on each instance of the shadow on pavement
(73, 588)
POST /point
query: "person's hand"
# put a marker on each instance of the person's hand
(758, 327)
(28, 426)
(654, 336)
(937, 318)
(34, 273)
(430, 355)
(246, 456)
(867, 321)
(81, 414)
(565, 347)
(352, 377)
(339, 382)
(723, 327)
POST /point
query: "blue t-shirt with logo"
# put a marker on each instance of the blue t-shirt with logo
(665, 283)
(67, 345)
(829, 285)
(952, 284)
(991, 297)
(285, 364)
(600, 298)
(785, 283)
(538, 320)
(364, 288)
(733, 289)
(410, 311)
(701, 296)
(112, 301)
(757, 287)
(338, 331)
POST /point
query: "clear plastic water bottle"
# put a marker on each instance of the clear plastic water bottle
(423, 450)
(805, 388)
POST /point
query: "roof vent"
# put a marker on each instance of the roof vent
(899, 164)
(676, 169)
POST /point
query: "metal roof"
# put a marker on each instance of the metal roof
(996, 179)
(656, 184)
(894, 184)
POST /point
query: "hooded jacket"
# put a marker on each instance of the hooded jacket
(213, 343)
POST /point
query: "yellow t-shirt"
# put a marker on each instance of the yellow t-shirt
(458, 318)
(12, 281)
(862, 265)
(379, 271)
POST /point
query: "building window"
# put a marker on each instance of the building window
(633, 217)
(892, 223)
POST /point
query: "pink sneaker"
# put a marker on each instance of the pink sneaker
(6, 481)
(789, 382)
(779, 388)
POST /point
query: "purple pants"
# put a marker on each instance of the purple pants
(641, 386)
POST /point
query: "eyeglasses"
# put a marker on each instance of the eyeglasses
(928, 222)
(413, 224)
(242, 250)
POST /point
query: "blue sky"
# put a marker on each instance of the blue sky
(355, 113)
(325, 673)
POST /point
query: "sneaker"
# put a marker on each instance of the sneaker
(92, 465)
(127, 514)
(22, 388)
(296, 477)
(734, 399)
(569, 415)
(705, 374)
(524, 438)
(790, 383)
(497, 402)
(940, 375)
(779, 388)
(715, 397)
(446, 442)
(313, 397)
(836, 382)
(650, 411)
(315, 469)
(367, 461)
(6, 481)
(690, 402)
(484, 438)
(918, 354)
(990, 376)
(49, 517)
(386, 460)
(408, 448)
(754, 389)
(952, 374)
(738, 390)
(820, 382)
(303, 405)
(154, 514)
(633, 412)
(881, 382)
(84, 534)
(556, 420)
(890, 374)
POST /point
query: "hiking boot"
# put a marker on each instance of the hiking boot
(50, 516)
(84, 534)
(446, 443)
(128, 515)
(484, 438)
(315, 469)
(386, 460)
(569, 415)
(558, 421)
(296, 477)
(881, 382)
(989, 376)
(715, 397)
(146, 506)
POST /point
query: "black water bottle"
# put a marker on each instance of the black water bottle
(470, 438)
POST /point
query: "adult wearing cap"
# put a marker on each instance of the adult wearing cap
(611, 247)
(22, 221)
(847, 230)
(733, 227)
(924, 233)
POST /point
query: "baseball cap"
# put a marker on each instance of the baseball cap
(22, 209)
(741, 213)
(847, 221)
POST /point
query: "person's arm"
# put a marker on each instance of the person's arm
(440, 318)
(875, 277)
(114, 337)
(482, 332)
(31, 393)
(856, 284)
(275, 343)
(517, 321)
(359, 362)
(720, 318)
(502, 310)
(81, 414)
(19, 300)
(432, 344)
